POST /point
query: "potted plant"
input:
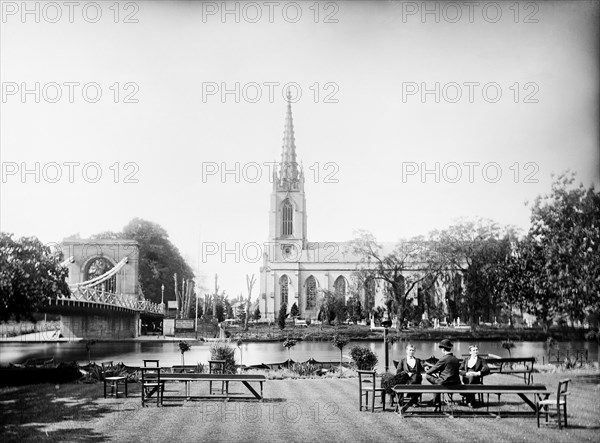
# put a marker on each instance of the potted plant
(183, 347)
(339, 342)
(289, 344)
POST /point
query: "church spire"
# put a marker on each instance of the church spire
(288, 168)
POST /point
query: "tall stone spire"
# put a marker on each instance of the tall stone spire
(288, 168)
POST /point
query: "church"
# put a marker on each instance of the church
(295, 270)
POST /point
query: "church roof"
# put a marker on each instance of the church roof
(288, 168)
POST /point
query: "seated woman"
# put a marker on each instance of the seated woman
(472, 371)
(409, 370)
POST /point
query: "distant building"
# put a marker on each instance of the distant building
(295, 270)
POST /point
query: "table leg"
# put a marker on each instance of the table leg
(412, 401)
(251, 389)
(529, 402)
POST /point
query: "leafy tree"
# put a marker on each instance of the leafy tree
(326, 306)
(340, 309)
(294, 311)
(477, 250)
(355, 311)
(228, 308)
(408, 266)
(159, 259)
(332, 306)
(30, 274)
(257, 314)
(183, 348)
(282, 316)
(289, 344)
(241, 315)
(220, 312)
(340, 342)
(564, 241)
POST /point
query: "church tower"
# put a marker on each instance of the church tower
(287, 217)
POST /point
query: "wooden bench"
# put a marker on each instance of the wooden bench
(505, 366)
(521, 390)
(245, 379)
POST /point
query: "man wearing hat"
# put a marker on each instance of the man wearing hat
(446, 370)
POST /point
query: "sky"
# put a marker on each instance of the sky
(407, 117)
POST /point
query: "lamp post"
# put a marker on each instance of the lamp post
(162, 302)
(386, 325)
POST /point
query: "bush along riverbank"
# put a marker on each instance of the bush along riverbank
(358, 333)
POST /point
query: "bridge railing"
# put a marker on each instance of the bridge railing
(96, 295)
(148, 306)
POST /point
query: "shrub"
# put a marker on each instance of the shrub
(282, 316)
(304, 369)
(294, 312)
(364, 358)
(389, 380)
(222, 350)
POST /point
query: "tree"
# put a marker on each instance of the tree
(159, 259)
(477, 250)
(409, 265)
(340, 342)
(183, 348)
(250, 284)
(282, 316)
(257, 314)
(294, 311)
(228, 308)
(220, 312)
(332, 306)
(30, 274)
(564, 245)
(289, 344)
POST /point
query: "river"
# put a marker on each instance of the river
(132, 353)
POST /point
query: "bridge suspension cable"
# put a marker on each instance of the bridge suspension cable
(101, 278)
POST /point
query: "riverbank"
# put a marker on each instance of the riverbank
(293, 410)
(319, 333)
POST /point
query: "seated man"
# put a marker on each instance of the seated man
(472, 370)
(409, 370)
(446, 370)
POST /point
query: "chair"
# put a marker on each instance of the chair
(113, 380)
(152, 383)
(106, 367)
(217, 367)
(151, 363)
(366, 385)
(561, 400)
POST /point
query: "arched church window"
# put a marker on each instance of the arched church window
(284, 284)
(340, 286)
(98, 267)
(311, 293)
(287, 217)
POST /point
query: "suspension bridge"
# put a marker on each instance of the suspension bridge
(105, 300)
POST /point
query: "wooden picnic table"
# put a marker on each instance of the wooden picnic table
(520, 390)
(245, 379)
(505, 366)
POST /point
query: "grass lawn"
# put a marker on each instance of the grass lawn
(293, 410)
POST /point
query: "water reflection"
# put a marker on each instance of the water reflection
(255, 353)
